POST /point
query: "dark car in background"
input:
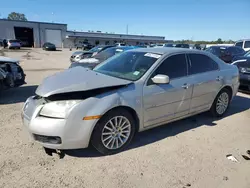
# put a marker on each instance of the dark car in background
(84, 45)
(100, 57)
(49, 46)
(182, 46)
(169, 45)
(247, 54)
(78, 55)
(226, 53)
(243, 65)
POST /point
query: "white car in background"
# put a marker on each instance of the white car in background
(245, 44)
(13, 44)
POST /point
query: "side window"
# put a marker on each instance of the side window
(247, 44)
(240, 44)
(174, 66)
(233, 50)
(201, 63)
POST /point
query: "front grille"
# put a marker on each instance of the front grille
(47, 139)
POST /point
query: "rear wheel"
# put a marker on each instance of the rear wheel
(221, 103)
(113, 132)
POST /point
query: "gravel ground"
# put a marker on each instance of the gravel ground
(187, 153)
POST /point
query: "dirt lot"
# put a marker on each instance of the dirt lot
(188, 153)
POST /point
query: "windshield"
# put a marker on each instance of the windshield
(96, 49)
(108, 53)
(128, 65)
(247, 54)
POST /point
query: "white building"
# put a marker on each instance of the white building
(37, 33)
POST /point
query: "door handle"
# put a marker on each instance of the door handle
(185, 86)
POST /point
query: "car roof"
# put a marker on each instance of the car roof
(165, 50)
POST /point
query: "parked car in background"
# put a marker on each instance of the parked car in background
(84, 45)
(120, 44)
(169, 45)
(13, 44)
(77, 56)
(100, 57)
(226, 53)
(243, 64)
(247, 54)
(49, 46)
(159, 45)
(245, 44)
(182, 45)
(12, 73)
(197, 47)
(134, 91)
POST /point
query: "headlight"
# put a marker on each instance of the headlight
(242, 69)
(58, 109)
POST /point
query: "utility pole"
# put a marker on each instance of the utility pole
(127, 29)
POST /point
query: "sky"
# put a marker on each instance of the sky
(174, 19)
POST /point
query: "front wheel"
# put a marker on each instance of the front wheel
(221, 103)
(113, 132)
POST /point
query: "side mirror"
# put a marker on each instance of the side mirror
(160, 79)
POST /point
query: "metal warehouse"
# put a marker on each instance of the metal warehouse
(35, 34)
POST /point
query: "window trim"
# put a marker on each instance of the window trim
(190, 63)
(245, 43)
(159, 64)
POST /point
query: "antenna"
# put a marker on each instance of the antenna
(127, 29)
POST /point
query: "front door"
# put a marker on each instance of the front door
(163, 102)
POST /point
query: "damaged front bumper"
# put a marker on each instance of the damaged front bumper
(55, 133)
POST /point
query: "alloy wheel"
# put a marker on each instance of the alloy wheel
(116, 132)
(222, 103)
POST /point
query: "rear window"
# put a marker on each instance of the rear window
(247, 44)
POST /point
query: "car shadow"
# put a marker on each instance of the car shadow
(238, 105)
(17, 95)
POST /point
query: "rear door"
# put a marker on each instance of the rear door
(207, 81)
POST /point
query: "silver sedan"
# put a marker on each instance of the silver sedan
(133, 91)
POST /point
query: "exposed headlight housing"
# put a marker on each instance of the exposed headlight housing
(58, 109)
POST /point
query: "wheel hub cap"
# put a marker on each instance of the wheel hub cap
(116, 132)
(222, 103)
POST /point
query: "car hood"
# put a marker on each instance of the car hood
(7, 59)
(77, 79)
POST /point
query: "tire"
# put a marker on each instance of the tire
(102, 143)
(225, 96)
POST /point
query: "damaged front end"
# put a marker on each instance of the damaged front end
(13, 75)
